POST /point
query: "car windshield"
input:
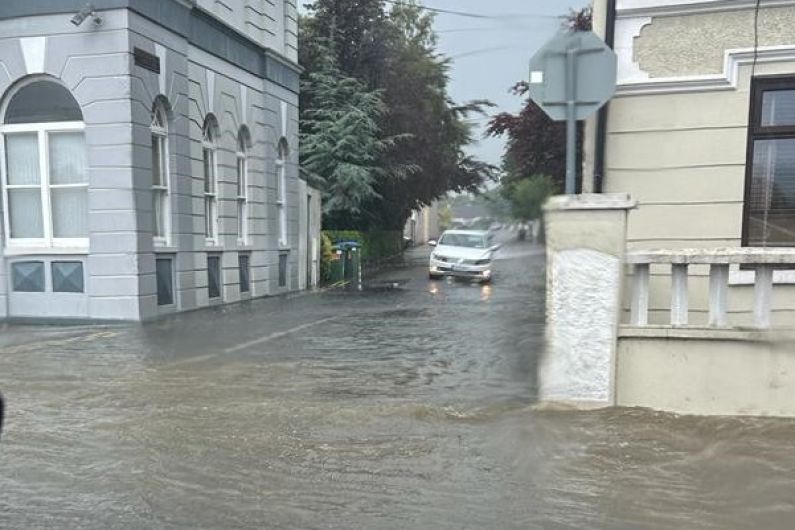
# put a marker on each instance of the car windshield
(463, 240)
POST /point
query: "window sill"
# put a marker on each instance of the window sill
(45, 251)
(740, 277)
(284, 249)
(165, 249)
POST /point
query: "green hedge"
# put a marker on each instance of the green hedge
(376, 246)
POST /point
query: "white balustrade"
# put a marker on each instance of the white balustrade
(719, 260)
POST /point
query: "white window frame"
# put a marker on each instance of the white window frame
(48, 241)
(161, 192)
(281, 191)
(242, 190)
(210, 184)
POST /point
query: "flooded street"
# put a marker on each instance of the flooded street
(407, 408)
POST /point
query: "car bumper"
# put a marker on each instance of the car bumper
(439, 268)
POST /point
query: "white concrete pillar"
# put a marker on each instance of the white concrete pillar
(586, 244)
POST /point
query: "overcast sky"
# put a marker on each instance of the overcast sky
(491, 53)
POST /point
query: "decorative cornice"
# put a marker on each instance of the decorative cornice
(652, 8)
(202, 29)
(728, 80)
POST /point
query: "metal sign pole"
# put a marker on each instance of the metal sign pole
(557, 74)
(571, 118)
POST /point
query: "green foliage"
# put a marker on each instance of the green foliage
(376, 245)
(397, 156)
(341, 140)
(445, 217)
(497, 205)
(326, 256)
(527, 196)
(536, 145)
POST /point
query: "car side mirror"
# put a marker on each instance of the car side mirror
(495, 248)
(432, 243)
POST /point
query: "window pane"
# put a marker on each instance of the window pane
(41, 102)
(67, 277)
(243, 261)
(165, 282)
(209, 217)
(68, 158)
(159, 117)
(771, 208)
(282, 270)
(24, 208)
(28, 276)
(158, 209)
(241, 177)
(282, 225)
(778, 108)
(241, 219)
(22, 153)
(157, 162)
(214, 276)
(69, 212)
(209, 171)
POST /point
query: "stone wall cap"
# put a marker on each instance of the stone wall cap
(590, 201)
(717, 256)
(779, 335)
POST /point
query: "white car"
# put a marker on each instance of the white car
(463, 254)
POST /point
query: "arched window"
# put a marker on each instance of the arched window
(243, 141)
(45, 169)
(281, 189)
(210, 181)
(160, 175)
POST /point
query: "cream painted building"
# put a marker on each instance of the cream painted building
(685, 126)
(673, 286)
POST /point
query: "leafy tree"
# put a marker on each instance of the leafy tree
(536, 145)
(423, 133)
(497, 205)
(360, 34)
(527, 197)
(445, 217)
(341, 140)
(416, 93)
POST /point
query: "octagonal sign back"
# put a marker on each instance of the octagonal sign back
(581, 56)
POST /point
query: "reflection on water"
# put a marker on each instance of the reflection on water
(485, 292)
(386, 410)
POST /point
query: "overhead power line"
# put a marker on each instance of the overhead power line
(482, 51)
(471, 15)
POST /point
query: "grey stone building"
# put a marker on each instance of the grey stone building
(150, 157)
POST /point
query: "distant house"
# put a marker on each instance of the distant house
(150, 157)
(423, 225)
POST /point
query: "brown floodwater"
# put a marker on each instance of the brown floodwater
(409, 408)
